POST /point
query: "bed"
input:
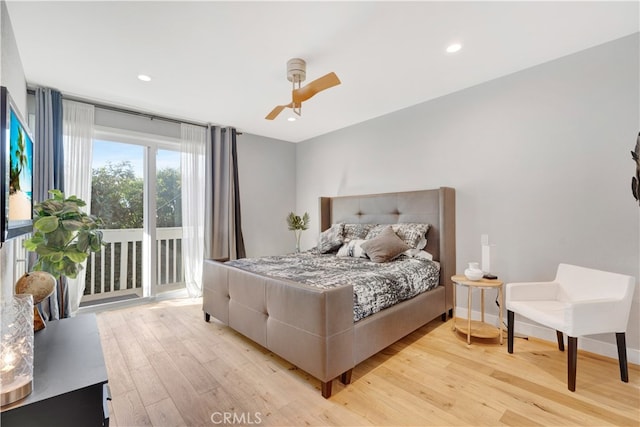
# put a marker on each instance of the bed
(313, 327)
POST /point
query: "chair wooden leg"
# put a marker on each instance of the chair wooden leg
(572, 362)
(560, 340)
(510, 318)
(622, 356)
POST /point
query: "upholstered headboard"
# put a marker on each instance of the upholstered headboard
(434, 207)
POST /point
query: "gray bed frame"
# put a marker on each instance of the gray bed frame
(313, 328)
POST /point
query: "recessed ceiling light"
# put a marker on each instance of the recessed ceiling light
(144, 78)
(454, 47)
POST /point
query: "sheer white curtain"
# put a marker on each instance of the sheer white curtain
(77, 129)
(192, 165)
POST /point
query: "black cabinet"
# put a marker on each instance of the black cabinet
(69, 378)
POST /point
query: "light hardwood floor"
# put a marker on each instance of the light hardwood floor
(167, 367)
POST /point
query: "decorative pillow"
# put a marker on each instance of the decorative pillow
(352, 249)
(331, 239)
(413, 234)
(356, 231)
(385, 246)
(375, 231)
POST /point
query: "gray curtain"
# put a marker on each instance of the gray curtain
(223, 225)
(48, 157)
(48, 174)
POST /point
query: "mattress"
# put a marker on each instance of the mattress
(376, 286)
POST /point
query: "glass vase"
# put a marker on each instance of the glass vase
(298, 235)
(16, 348)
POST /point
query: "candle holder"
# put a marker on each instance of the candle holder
(16, 348)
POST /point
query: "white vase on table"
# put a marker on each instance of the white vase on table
(473, 272)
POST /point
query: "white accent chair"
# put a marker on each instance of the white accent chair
(580, 301)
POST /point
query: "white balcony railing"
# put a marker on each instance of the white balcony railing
(115, 271)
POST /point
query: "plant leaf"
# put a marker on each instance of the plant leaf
(57, 194)
(47, 224)
(71, 225)
(56, 256)
(75, 256)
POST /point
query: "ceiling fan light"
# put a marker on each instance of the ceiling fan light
(296, 70)
(291, 119)
(454, 47)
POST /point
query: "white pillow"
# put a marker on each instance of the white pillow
(417, 253)
(352, 249)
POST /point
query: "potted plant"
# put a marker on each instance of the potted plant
(64, 236)
(297, 224)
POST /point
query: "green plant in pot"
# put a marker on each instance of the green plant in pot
(63, 236)
(297, 224)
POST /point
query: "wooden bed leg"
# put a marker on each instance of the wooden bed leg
(443, 317)
(326, 389)
(345, 377)
(450, 312)
(206, 316)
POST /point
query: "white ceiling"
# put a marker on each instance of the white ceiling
(225, 62)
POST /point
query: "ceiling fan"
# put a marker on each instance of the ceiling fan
(296, 74)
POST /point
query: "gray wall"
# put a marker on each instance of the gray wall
(267, 176)
(539, 159)
(11, 76)
(11, 71)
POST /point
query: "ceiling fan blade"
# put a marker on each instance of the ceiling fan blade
(318, 85)
(274, 113)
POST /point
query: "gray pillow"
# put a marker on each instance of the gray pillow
(385, 246)
(331, 239)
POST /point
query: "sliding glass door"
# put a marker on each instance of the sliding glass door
(136, 192)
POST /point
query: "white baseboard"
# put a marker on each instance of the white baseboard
(525, 328)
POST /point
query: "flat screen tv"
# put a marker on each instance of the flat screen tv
(16, 171)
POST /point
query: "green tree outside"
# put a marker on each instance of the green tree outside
(117, 198)
(169, 203)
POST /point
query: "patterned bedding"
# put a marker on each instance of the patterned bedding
(376, 286)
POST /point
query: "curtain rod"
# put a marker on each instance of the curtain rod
(125, 110)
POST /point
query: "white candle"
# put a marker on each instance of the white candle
(7, 371)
